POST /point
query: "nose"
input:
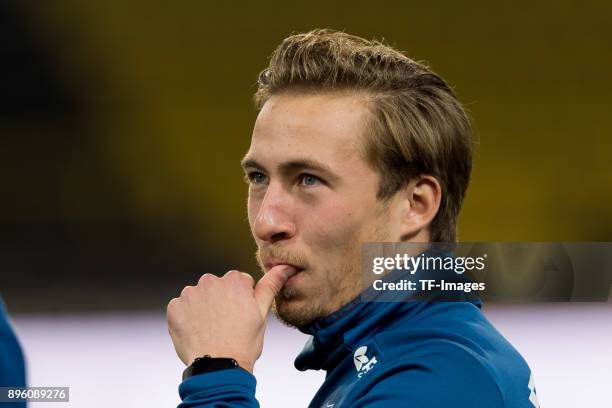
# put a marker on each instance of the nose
(274, 220)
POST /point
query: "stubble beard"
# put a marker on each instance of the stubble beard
(337, 286)
(298, 310)
(291, 307)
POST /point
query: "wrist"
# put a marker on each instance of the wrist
(208, 364)
(243, 362)
(246, 365)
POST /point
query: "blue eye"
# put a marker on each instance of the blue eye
(257, 177)
(310, 180)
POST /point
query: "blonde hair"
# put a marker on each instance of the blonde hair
(417, 125)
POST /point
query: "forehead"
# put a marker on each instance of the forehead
(324, 126)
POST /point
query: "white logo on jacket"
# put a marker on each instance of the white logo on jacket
(363, 364)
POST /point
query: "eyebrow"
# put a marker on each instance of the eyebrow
(293, 166)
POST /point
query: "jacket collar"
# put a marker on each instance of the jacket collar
(336, 335)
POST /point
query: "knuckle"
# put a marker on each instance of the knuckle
(172, 305)
(240, 277)
(186, 290)
(206, 277)
(248, 278)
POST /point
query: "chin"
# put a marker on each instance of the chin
(296, 311)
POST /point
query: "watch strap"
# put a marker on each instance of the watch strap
(207, 364)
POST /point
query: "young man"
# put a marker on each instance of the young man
(354, 142)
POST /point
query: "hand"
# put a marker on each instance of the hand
(224, 317)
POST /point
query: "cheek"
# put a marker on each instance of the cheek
(332, 228)
(333, 240)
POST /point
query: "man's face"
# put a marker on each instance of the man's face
(312, 199)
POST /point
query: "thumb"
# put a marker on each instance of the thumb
(270, 285)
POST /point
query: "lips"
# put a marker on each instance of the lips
(271, 263)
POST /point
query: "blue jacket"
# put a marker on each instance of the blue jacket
(394, 354)
(12, 367)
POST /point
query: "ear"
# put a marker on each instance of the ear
(421, 204)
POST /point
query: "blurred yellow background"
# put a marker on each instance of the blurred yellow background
(159, 112)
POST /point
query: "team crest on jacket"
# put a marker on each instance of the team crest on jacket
(363, 363)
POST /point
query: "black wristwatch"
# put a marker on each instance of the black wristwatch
(206, 364)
